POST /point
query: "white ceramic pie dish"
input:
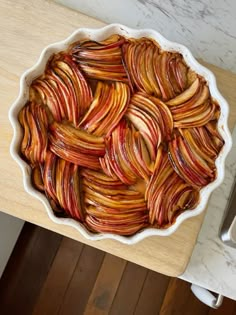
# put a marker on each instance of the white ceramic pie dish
(100, 34)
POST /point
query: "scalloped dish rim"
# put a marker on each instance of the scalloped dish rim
(99, 34)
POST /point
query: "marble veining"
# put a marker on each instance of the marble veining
(213, 264)
(207, 28)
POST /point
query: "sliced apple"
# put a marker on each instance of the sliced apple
(158, 211)
(33, 119)
(164, 75)
(147, 128)
(75, 205)
(181, 71)
(76, 146)
(49, 175)
(78, 139)
(118, 218)
(82, 89)
(160, 124)
(199, 98)
(101, 61)
(198, 119)
(61, 183)
(49, 97)
(194, 161)
(161, 160)
(119, 107)
(172, 75)
(166, 117)
(123, 204)
(117, 162)
(36, 177)
(102, 178)
(64, 89)
(186, 95)
(106, 167)
(184, 169)
(168, 196)
(107, 108)
(148, 57)
(214, 134)
(183, 197)
(133, 148)
(138, 58)
(121, 229)
(127, 155)
(63, 93)
(120, 191)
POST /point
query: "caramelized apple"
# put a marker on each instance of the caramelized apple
(120, 135)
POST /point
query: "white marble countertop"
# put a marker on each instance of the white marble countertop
(213, 264)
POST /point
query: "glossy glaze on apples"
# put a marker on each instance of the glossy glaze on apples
(120, 135)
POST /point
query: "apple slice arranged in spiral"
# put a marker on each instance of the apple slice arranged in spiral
(110, 206)
(190, 166)
(193, 107)
(163, 75)
(152, 118)
(114, 205)
(147, 127)
(161, 67)
(167, 193)
(102, 178)
(108, 107)
(101, 61)
(105, 165)
(128, 226)
(36, 177)
(214, 135)
(33, 118)
(64, 90)
(103, 184)
(75, 145)
(204, 141)
(126, 155)
(138, 56)
(173, 199)
(62, 185)
(82, 89)
(186, 95)
(196, 118)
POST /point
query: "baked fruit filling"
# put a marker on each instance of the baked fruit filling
(120, 135)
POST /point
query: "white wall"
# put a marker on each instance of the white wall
(10, 228)
(207, 27)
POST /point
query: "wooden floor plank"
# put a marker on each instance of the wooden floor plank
(129, 290)
(152, 294)
(179, 300)
(58, 278)
(48, 275)
(105, 286)
(27, 270)
(82, 283)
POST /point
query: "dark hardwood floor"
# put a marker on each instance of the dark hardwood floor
(48, 274)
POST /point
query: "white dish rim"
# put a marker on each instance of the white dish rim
(99, 34)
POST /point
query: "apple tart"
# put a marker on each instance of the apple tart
(120, 135)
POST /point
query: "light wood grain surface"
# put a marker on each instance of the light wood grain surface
(26, 28)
